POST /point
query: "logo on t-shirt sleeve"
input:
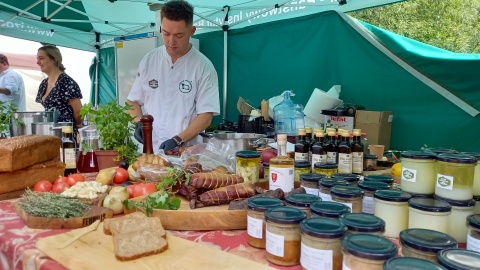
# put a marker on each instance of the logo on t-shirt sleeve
(153, 83)
(185, 86)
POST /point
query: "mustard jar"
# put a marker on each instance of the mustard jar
(425, 244)
(328, 209)
(309, 181)
(362, 223)
(351, 178)
(367, 251)
(248, 165)
(302, 201)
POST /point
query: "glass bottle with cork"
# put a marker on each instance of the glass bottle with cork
(69, 147)
(357, 152)
(319, 152)
(308, 135)
(331, 148)
(281, 173)
(302, 146)
(345, 154)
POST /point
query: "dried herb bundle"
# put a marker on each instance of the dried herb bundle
(51, 205)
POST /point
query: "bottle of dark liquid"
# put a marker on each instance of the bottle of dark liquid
(357, 152)
(308, 135)
(319, 152)
(331, 147)
(302, 147)
(69, 147)
(345, 154)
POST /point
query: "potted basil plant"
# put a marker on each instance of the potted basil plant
(7, 109)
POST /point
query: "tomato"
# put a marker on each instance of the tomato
(130, 189)
(144, 189)
(60, 187)
(43, 186)
(121, 175)
(74, 178)
(61, 179)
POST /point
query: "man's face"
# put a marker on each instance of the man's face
(176, 36)
(3, 66)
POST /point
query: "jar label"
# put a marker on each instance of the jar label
(313, 191)
(357, 162)
(473, 243)
(318, 158)
(344, 163)
(301, 156)
(332, 157)
(445, 181)
(345, 267)
(409, 175)
(368, 205)
(274, 244)
(347, 204)
(325, 197)
(255, 227)
(281, 178)
(70, 160)
(312, 258)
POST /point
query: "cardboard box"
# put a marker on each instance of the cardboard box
(344, 122)
(377, 125)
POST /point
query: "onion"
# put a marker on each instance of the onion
(119, 192)
(114, 203)
(267, 154)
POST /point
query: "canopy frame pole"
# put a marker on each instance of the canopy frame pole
(225, 60)
(58, 10)
(97, 64)
(25, 11)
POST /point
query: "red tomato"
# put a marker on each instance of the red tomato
(43, 186)
(60, 187)
(144, 189)
(130, 189)
(61, 179)
(74, 178)
(121, 175)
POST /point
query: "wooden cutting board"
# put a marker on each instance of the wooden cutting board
(95, 251)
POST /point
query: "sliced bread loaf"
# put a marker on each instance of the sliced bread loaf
(136, 244)
(108, 222)
(126, 226)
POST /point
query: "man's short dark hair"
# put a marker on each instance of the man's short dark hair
(178, 10)
(4, 59)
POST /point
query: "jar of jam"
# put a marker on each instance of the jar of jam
(369, 162)
(418, 172)
(455, 176)
(425, 244)
(458, 259)
(352, 179)
(367, 251)
(392, 207)
(325, 168)
(248, 165)
(362, 223)
(428, 213)
(369, 187)
(328, 209)
(325, 184)
(350, 196)
(309, 181)
(256, 219)
(302, 201)
(456, 220)
(379, 178)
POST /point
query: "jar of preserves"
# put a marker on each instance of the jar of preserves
(350, 196)
(455, 176)
(309, 181)
(425, 244)
(379, 178)
(456, 220)
(325, 184)
(283, 236)
(369, 187)
(370, 162)
(248, 165)
(459, 259)
(266, 169)
(428, 214)
(392, 207)
(321, 246)
(302, 201)
(352, 179)
(366, 251)
(325, 168)
(473, 237)
(301, 167)
(362, 223)
(256, 219)
(476, 173)
(400, 263)
(328, 209)
(418, 172)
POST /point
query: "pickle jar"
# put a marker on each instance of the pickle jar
(379, 178)
(392, 207)
(266, 169)
(309, 181)
(321, 243)
(248, 165)
(425, 244)
(325, 168)
(456, 220)
(473, 237)
(402, 263)
(351, 178)
(428, 213)
(369, 187)
(328, 209)
(476, 174)
(256, 219)
(418, 172)
(301, 167)
(283, 237)
(362, 223)
(367, 251)
(302, 201)
(369, 162)
(454, 179)
(459, 259)
(325, 184)
(350, 196)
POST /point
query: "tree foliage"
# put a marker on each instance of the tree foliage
(453, 25)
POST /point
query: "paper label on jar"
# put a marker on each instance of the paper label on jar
(274, 244)
(347, 204)
(301, 156)
(368, 204)
(281, 178)
(344, 163)
(316, 158)
(312, 258)
(445, 181)
(325, 197)
(255, 227)
(473, 243)
(409, 175)
(70, 160)
(357, 162)
(332, 157)
(313, 191)
(345, 267)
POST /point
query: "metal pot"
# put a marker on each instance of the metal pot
(21, 122)
(241, 141)
(47, 128)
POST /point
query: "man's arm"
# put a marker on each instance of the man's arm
(200, 123)
(135, 111)
(5, 91)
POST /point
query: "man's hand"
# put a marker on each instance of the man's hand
(169, 144)
(138, 134)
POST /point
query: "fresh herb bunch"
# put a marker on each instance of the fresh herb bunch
(7, 109)
(51, 205)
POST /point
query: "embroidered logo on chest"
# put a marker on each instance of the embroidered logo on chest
(153, 83)
(185, 86)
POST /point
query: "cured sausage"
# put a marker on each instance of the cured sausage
(214, 180)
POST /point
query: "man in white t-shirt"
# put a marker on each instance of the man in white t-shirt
(176, 83)
(12, 87)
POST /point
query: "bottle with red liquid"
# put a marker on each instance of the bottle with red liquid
(87, 160)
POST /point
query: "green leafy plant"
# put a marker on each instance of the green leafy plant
(115, 127)
(7, 109)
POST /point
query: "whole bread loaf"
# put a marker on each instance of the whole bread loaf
(138, 244)
(20, 152)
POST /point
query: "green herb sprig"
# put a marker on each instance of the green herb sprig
(51, 205)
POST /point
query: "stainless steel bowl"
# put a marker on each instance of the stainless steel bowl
(241, 141)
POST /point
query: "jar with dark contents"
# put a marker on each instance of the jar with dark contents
(366, 251)
(309, 181)
(325, 184)
(379, 178)
(283, 237)
(370, 162)
(325, 168)
(350, 196)
(351, 178)
(302, 201)
(369, 187)
(256, 219)
(362, 223)
(328, 209)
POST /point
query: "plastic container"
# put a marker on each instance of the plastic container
(325, 168)
(256, 219)
(425, 244)
(392, 207)
(379, 178)
(370, 162)
(248, 165)
(456, 220)
(418, 172)
(362, 223)
(366, 251)
(473, 236)
(301, 167)
(350, 196)
(455, 176)
(369, 187)
(283, 235)
(476, 174)
(352, 179)
(302, 201)
(428, 214)
(404, 263)
(321, 246)
(309, 181)
(326, 184)
(328, 209)
(288, 117)
(459, 259)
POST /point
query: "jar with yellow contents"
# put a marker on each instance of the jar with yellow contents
(248, 165)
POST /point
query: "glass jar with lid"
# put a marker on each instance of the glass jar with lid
(476, 173)
(248, 165)
(301, 167)
(424, 243)
(473, 237)
(379, 178)
(418, 172)
(351, 178)
(350, 196)
(369, 187)
(256, 219)
(454, 178)
(366, 251)
(476, 210)
(459, 259)
(283, 237)
(325, 168)
(362, 223)
(401, 263)
(369, 162)
(328, 209)
(456, 220)
(309, 181)
(321, 246)
(302, 201)
(266, 169)
(392, 207)
(428, 213)
(325, 184)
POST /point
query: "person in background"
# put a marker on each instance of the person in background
(176, 83)
(59, 91)
(12, 87)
